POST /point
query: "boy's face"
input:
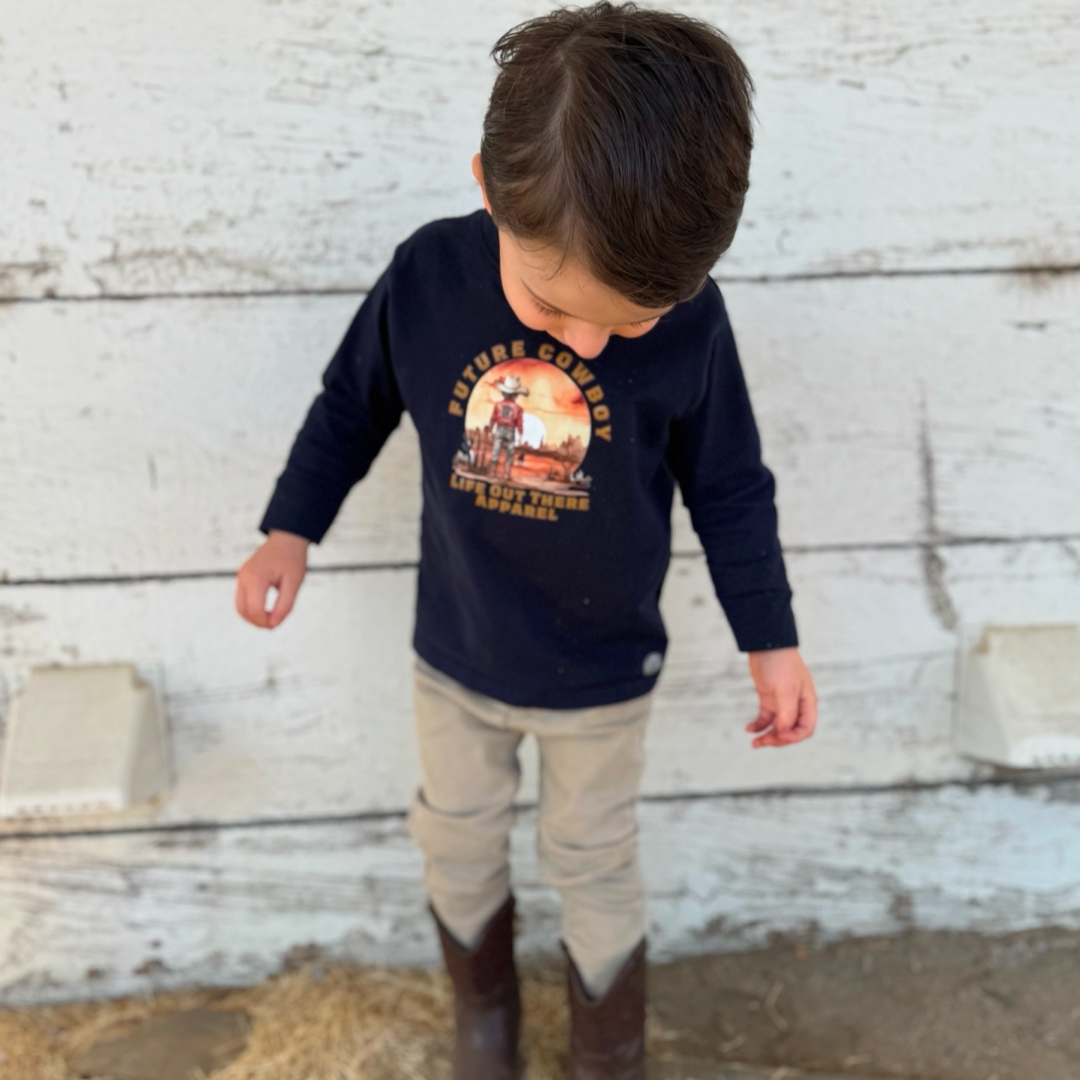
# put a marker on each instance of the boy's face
(571, 305)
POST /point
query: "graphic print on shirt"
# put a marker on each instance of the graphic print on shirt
(527, 425)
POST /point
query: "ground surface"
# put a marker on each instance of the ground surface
(924, 1006)
(921, 1006)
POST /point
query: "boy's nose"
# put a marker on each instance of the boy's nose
(586, 342)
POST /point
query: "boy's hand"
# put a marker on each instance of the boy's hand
(281, 561)
(787, 696)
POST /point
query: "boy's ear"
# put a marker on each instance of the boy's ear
(478, 174)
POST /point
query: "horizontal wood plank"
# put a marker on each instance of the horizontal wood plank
(147, 154)
(314, 718)
(99, 916)
(145, 438)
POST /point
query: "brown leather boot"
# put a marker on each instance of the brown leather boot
(607, 1034)
(487, 1001)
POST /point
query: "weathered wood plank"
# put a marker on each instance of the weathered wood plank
(150, 155)
(225, 906)
(1002, 416)
(144, 438)
(314, 718)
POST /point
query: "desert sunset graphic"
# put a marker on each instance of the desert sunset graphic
(555, 428)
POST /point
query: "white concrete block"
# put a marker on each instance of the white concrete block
(1018, 701)
(84, 739)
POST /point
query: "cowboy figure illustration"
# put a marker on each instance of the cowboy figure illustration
(506, 422)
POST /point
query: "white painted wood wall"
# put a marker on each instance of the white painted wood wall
(194, 199)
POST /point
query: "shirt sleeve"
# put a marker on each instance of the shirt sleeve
(715, 454)
(345, 427)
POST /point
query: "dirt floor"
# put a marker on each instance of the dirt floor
(921, 1006)
(924, 1006)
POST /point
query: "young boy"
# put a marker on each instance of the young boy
(566, 360)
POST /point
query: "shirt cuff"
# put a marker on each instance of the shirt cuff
(761, 620)
(301, 509)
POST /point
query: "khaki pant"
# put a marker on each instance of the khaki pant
(591, 762)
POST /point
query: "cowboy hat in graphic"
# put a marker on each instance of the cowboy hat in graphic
(511, 385)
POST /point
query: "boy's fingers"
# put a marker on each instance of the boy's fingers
(792, 712)
(251, 598)
(802, 725)
(765, 718)
(787, 713)
(287, 590)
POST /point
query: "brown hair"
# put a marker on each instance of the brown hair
(622, 137)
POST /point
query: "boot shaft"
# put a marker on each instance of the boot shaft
(487, 1001)
(607, 1034)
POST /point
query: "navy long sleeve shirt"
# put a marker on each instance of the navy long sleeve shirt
(547, 480)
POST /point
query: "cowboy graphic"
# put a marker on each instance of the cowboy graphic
(506, 422)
